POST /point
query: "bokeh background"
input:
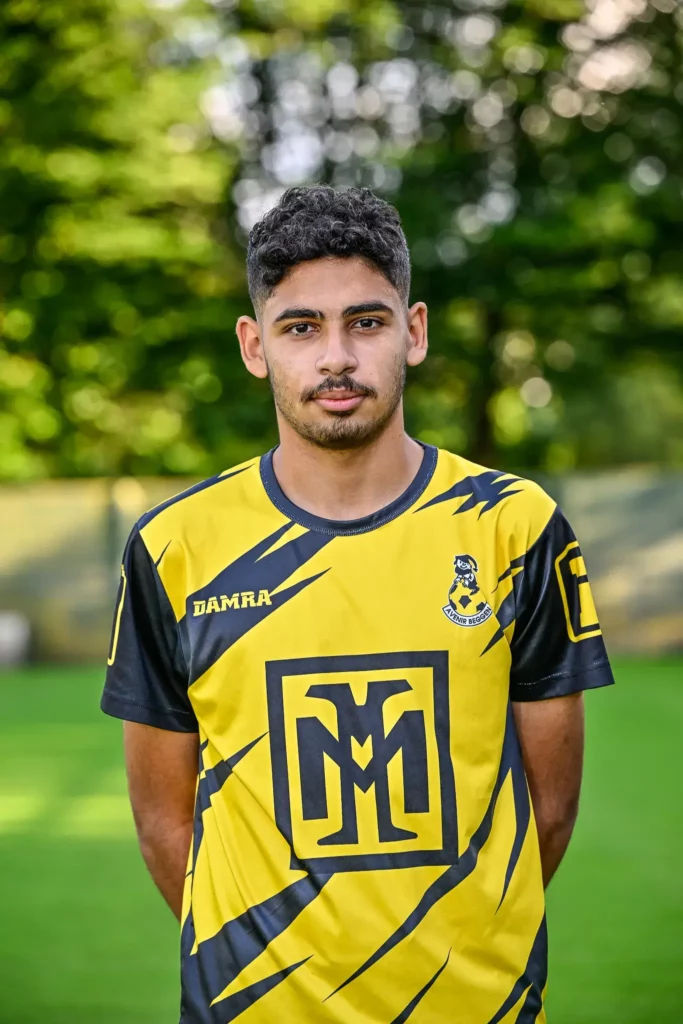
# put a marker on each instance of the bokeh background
(534, 149)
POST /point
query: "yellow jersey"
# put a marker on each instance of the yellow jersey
(364, 846)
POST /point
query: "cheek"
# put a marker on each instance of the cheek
(385, 367)
(288, 377)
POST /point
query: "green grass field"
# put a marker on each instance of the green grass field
(85, 938)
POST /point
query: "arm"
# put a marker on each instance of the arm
(551, 736)
(557, 652)
(162, 775)
(146, 686)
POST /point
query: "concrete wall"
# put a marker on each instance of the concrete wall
(61, 543)
(630, 524)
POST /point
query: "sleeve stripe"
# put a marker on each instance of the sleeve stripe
(117, 621)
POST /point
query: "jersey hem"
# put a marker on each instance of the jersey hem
(561, 685)
(160, 718)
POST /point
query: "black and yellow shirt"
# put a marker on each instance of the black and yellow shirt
(364, 847)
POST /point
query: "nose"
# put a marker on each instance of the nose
(337, 356)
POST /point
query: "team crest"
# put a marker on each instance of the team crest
(466, 603)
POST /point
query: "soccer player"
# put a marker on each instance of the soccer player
(351, 675)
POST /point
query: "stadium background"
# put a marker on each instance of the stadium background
(535, 151)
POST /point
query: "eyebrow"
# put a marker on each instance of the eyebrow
(367, 307)
(299, 312)
(304, 313)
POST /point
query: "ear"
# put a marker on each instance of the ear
(417, 334)
(249, 336)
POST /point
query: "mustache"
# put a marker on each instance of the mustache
(343, 383)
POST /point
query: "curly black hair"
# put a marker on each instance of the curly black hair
(312, 222)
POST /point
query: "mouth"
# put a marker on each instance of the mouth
(339, 401)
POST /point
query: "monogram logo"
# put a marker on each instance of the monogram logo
(362, 774)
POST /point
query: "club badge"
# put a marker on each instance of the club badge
(466, 604)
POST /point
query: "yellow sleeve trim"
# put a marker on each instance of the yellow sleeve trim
(587, 611)
(117, 623)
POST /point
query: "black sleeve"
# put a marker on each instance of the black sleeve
(557, 645)
(147, 676)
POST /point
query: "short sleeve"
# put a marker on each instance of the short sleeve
(147, 677)
(557, 646)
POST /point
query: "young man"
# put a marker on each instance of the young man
(376, 651)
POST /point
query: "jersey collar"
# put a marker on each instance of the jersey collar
(342, 527)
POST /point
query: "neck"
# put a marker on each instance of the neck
(345, 485)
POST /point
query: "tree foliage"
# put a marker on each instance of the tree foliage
(534, 149)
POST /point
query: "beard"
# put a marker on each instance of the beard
(341, 431)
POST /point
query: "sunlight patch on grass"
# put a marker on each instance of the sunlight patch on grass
(20, 810)
(102, 816)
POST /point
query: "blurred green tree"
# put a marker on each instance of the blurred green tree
(534, 150)
(116, 291)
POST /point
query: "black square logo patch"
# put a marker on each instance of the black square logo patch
(362, 771)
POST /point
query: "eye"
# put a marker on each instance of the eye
(367, 323)
(300, 330)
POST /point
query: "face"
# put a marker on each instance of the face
(334, 338)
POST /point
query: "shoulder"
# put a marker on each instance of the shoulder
(198, 505)
(514, 504)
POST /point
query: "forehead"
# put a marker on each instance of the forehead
(331, 285)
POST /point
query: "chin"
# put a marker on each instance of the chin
(343, 433)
